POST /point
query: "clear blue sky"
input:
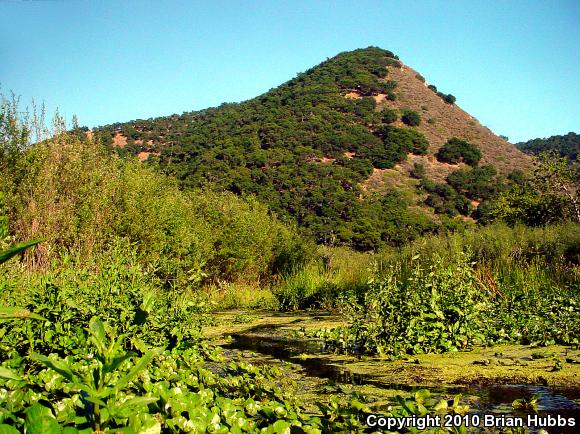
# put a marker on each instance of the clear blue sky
(513, 65)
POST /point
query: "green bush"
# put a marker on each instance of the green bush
(457, 150)
(449, 99)
(444, 199)
(389, 116)
(477, 183)
(411, 118)
(437, 307)
(434, 295)
(418, 171)
(79, 199)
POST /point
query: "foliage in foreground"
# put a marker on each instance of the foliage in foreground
(62, 374)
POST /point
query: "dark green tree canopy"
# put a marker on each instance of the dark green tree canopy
(457, 150)
(303, 148)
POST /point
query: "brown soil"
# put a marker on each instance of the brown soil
(354, 95)
(380, 97)
(321, 160)
(119, 140)
(144, 155)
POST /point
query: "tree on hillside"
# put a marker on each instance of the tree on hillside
(567, 145)
(411, 118)
(550, 195)
(554, 175)
(457, 150)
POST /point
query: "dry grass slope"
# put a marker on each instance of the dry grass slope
(448, 121)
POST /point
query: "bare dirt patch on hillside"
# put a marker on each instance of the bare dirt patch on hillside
(119, 140)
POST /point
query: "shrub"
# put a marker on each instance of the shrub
(438, 307)
(397, 143)
(411, 118)
(476, 183)
(389, 116)
(418, 171)
(449, 99)
(444, 199)
(457, 150)
(435, 294)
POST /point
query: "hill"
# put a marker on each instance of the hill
(567, 145)
(349, 150)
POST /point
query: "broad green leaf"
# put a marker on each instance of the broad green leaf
(16, 249)
(139, 366)
(441, 405)
(97, 330)
(145, 424)
(57, 365)
(96, 400)
(40, 420)
(18, 313)
(281, 427)
(7, 429)
(140, 400)
(116, 362)
(9, 374)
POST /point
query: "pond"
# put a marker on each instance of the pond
(489, 388)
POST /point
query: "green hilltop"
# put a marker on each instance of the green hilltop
(311, 147)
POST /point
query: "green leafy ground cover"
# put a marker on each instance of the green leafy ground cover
(61, 373)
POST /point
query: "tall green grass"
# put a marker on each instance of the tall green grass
(331, 273)
(507, 259)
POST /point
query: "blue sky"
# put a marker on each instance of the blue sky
(513, 65)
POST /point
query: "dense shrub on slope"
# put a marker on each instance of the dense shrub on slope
(456, 151)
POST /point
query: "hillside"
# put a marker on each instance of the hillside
(567, 145)
(441, 121)
(317, 148)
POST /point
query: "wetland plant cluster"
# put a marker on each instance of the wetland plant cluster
(450, 294)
